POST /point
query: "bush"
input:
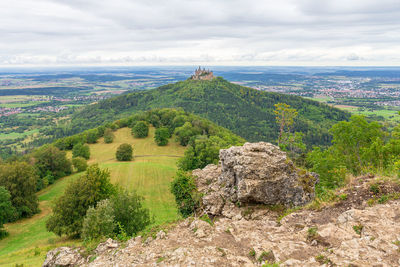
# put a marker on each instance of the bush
(141, 129)
(99, 221)
(108, 136)
(84, 192)
(79, 164)
(124, 152)
(122, 216)
(161, 136)
(129, 212)
(183, 188)
(81, 150)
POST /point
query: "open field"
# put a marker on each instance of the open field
(387, 114)
(150, 174)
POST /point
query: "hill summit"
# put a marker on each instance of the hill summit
(247, 112)
(202, 74)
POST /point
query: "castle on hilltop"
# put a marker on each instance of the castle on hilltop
(202, 74)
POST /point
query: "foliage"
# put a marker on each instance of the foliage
(129, 212)
(92, 136)
(204, 150)
(50, 159)
(108, 136)
(183, 188)
(285, 118)
(99, 221)
(19, 178)
(161, 136)
(80, 164)
(247, 112)
(81, 150)
(123, 215)
(331, 170)
(358, 146)
(141, 129)
(124, 152)
(352, 140)
(185, 132)
(70, 209)
(7, 211)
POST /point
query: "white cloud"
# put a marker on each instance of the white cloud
(226, 32)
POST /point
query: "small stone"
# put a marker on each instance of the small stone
(161, 235)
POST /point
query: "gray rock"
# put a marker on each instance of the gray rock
(63, 256)
(161, 235)
(254, 173)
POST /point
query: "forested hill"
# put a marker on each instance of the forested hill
(245, 111)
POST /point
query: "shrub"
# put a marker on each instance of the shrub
(108, 136)
(161, 136)
(79, 164)
(183, 188)
(84, 192)
(81, 150)
(129, 212)
(141, 129)
(99, 221)
(124, 152)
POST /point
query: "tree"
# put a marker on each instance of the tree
(108, 136)
(7, 211)
(81, 150)
(129, 211)
(84, 192)
(124, 152)
(161, 136)
(99, 221)
(92, 136)
(352, 140)
(50, 159)
(80, 164)
(19, 178)
(141, 129)
(285, 118)
(185, 132)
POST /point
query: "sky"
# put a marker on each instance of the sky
(201, 32)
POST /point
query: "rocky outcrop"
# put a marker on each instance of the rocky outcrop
(254, 173)
(63, 257)
(348, 232)
(250, 242)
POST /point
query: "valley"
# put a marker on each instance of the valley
(32, 103)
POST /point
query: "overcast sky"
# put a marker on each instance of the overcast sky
(207, 32)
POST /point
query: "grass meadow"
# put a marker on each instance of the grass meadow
(150, 174)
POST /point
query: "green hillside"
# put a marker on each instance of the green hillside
(245, 111)
(150, 174)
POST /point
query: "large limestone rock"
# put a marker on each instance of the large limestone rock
(254, 173)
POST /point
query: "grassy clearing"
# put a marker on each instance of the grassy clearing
(14, 135)
(149, 175)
